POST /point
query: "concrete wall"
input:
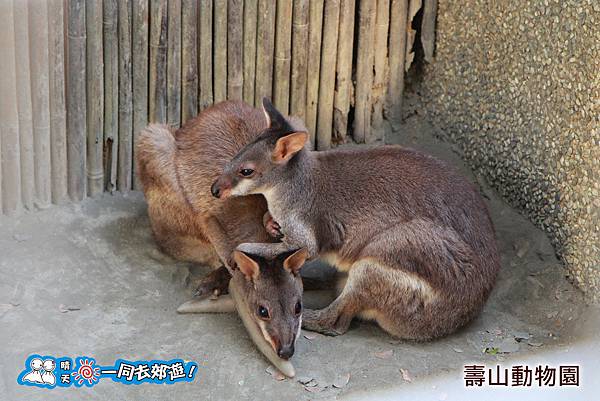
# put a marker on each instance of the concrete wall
(516, 84)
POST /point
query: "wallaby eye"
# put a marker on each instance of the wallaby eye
(246, 172)
(298, 308)
(263, 312)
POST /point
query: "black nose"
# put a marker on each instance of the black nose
(214, 190)
(286, 352)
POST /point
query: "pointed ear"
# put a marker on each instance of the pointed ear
(287, 146)
(246, 264)
(274, 118)
(295, 261)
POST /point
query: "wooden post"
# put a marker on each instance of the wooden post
(125, 165)
(158, 61)
(205, 56)
(344, 71)
(141, 19)
(299, 59)
(397, 52)
(283, 42)
(327, 79)
(428, 28)
(220, 50)
(264, 50)
(111, 94)
(364, 73)
(10, 191)
(250, 21)
(380, 77)
(189, 60)
(235, 73)
(314, 66)
(21, 37)
(174, 63)
(58, 110)
(95, 93)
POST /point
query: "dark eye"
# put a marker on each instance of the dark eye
(298, 308)
(246, 172)
(263, 312)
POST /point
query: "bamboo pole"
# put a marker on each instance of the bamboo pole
(58, 111)
(21, 38)
(38, 50)
(235, 50)
(76, 99)
(189, 60)
(314, 66)
(264, 50)
(364, 73)
(10, 192)
(249, 51)
(299, 58)
(428, 28)
(140, 19)
(220, 51)
(111, 94)
(158, 61)
(344, 70)
(125, 163)
(413, 8)
(397, 48)
(380, 76)
(205, 56)
(327, 79)
(283, 54)
(174, 63)
(95, 93)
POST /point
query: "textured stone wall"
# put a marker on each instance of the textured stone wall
(516, 84)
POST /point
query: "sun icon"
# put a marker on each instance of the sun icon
(86, 372)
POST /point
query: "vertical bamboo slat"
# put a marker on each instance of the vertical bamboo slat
(413, 8)
(10, 192)
(299, 58)
(21, 38)
(380, 77)
(140, 19)
(327, 79)
(95, 93)
(264, 50)
(58, 111)
(158, 61)
(344, 70)
(220, 51)
(364, 73)
(40, 100)
(397, 48)
(235, 51)
(283, 41)
(174, 63)
(314, 66)
(249, 51)
(111, 94)
(205, 56)
(189, 60)
(428, 28)
(125, 165)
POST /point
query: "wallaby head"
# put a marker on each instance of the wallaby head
(272, 289)
(260, 162)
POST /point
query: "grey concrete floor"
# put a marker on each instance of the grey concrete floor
(99, 257)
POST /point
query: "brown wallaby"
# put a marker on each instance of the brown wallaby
(414, 236)
(176, 170)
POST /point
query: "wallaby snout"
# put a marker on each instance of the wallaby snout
(220, 188)
(286, 352)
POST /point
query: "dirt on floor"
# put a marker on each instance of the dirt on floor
(87, 279)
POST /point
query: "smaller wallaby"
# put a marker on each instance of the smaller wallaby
(176, 170)
(414, 236)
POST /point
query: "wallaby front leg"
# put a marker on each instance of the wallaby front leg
(219, 240)
(214, 283)
(272, 227)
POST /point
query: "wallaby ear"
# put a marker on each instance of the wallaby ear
(287, 146)
(295, 261)
(274, 118)
(246, 264)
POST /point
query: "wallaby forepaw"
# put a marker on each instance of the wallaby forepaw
(273, 228)
(213, 284)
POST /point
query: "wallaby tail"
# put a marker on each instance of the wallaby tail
(155, 157)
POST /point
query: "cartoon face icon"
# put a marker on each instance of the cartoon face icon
(49, 365)
(36, 364)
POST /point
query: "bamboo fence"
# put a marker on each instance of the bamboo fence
(81, 78)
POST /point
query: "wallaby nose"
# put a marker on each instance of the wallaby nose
(286, 352)
(215, 190)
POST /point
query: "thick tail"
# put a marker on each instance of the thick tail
(155, 157)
